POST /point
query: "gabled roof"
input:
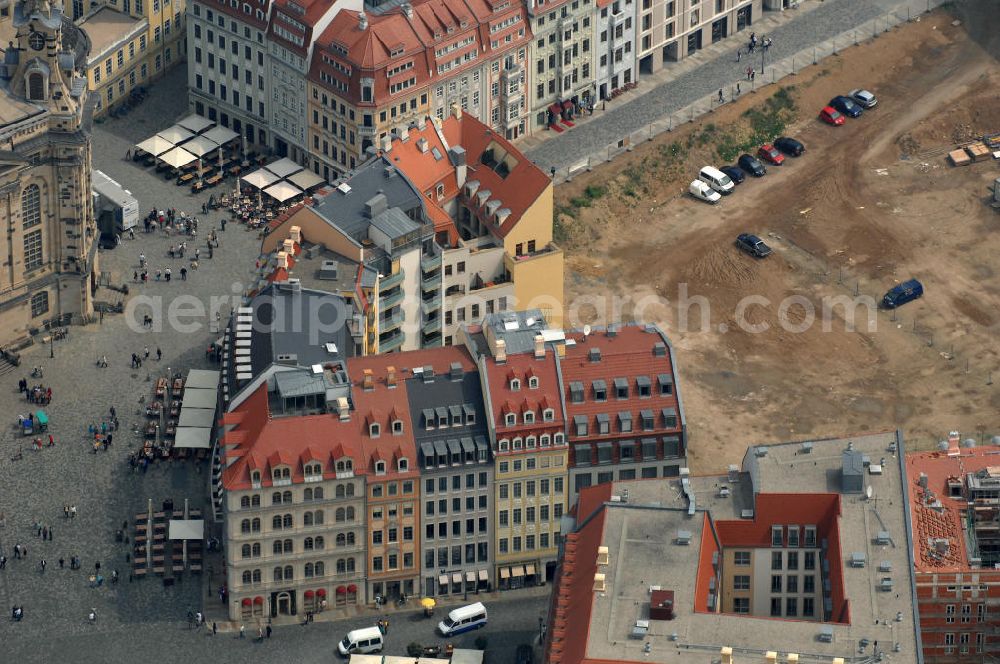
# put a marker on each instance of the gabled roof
(505, 400)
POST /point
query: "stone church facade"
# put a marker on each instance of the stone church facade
(48, 247)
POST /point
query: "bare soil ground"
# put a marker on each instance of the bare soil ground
(870, 204)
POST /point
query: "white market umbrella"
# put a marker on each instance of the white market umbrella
(178, 157)
(155, 145)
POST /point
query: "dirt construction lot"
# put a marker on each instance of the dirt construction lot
(870, 204)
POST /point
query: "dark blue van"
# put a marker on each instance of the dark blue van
(903, 293)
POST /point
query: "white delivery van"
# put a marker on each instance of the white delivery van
(716, 179)
(703, 192)
(463, 619)
(362, 641)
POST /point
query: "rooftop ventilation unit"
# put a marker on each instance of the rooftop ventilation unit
(760, 452)
(857, 559)
(602, 555)
(328, 270)
(639, 630)
(885, 566)
(885, 584)
(428, 374)
(724, 492)
(599, 586)
(883, 537)
(746, 514)
(455, 371)
(683, 537)
(807, 448)
(875, 469)
(734, 473)
(286, 358)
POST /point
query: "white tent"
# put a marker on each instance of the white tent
(200, 397)
(178, 157)
(260, 178)
(220, 135)
(186, 529)
(305, 179)
(283, 167)
(200, 146)
(196, 417)
(282, 191)
(175, 134)
(202, 378)
(195, 123)
(193, 438)
(155, 145)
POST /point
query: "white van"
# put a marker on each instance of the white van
(463, 619)
(362, 641)
(703, 192)
(716, 179)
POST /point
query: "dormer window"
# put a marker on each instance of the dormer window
(470, 415)
(515, 384)
(533, 383)
(503, 445)
(374, 430)
(404, 465)
(255, 479)
(397, 427)
(510, 419)
(529, 442)
(544, 440)
(548, 415)
(380, 467)
(313, 470)
(36, 85)
(558, 438)
(281, 473)
(529, 417)
(345, 466)
(518, 444)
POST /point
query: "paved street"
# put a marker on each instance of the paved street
(806, 28)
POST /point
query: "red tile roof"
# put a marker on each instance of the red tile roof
(261, 442)
(289, 15)
(503, 399)
(628, 355)
(946, 523)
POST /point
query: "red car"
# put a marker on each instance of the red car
(770, 154)
(830, 115)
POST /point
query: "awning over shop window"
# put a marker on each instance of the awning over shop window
(247, 601)
(352, 588)
(443, 579)
(321, 592)
(310, 594)
(530, 570)
(341, 590)
(504, 572)
(517, 571)
(484, 575)
(470, 576)
(554, 109)
(456, 577)
(567, 104)
(258, 600)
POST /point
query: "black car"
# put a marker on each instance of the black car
(751, 165)
(107, 241)
(753, 245)
(790, 146)
(846, 105)
(734, 173)
(524, 654)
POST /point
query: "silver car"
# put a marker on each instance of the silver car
(863, 98)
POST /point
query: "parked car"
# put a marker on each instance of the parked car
(752, 165)
(830, 116)
(717, 180)
(790, 146)
(863, 98)
(703, 192)
(524, 654)
(902, 293)
(753, 245)
(770, 154)
(846, 106)
(734, 173)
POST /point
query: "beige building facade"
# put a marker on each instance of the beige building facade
(50, 252)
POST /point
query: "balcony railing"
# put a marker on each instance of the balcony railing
(391, 342)
(326, 554)
(386, 303)
(388, 281)
(428, 263)
(357, 577)
(390, 323)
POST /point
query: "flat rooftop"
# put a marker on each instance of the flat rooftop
(639, 522)
(106, 28)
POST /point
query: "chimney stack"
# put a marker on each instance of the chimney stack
(295, 234)
(539, 346)
(362, 21)
(368, 382)
(282, 260)
(342, 409)
(289, 246)
(501, 352)
(456, 111)
(390, 376)
(727, 654)
(407, 10)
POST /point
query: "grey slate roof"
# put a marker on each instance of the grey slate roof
(452, 398)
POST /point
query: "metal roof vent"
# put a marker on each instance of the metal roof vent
(599, 585)
(328, 270)
(857, 559)
(760, 451)
(883, 537)
(683, 537)
(746, 514)
(595, 355)
(455, 371)
(428, 373)
(807, 448)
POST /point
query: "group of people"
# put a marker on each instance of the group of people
(38, 394)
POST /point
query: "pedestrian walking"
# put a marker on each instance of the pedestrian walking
(145, 355)
(753, 74)
(268, 631)
(748, 73)
(720, 96)
(737, 89)
(62, 562)
(42, 565)
(159, 353)
(739, 54)
(3, 561)
(243, 631)
(215, 628)
(50, 527)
